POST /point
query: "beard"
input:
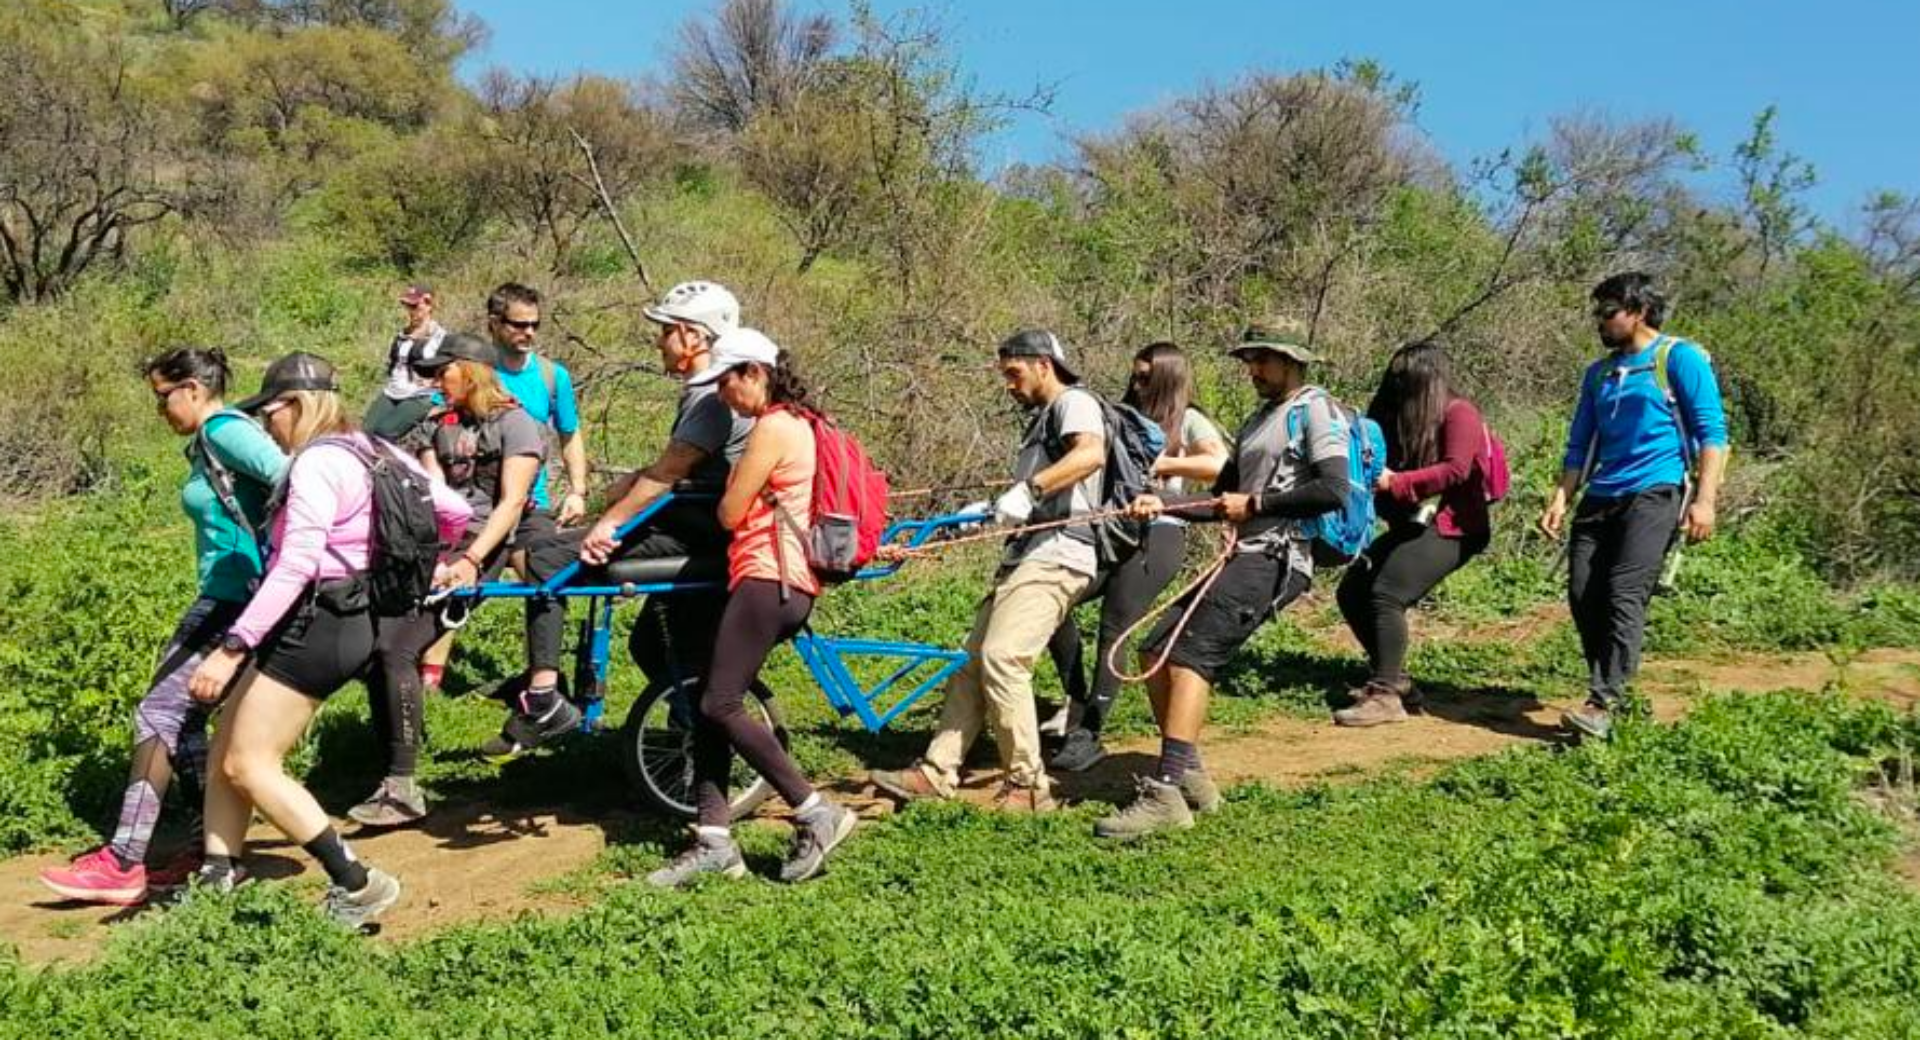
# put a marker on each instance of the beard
(1616, 342)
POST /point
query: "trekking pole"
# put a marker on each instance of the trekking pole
(1566, 535)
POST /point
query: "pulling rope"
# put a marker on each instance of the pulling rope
(901, 552)
(1203, 582)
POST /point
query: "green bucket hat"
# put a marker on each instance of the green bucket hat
(1280, 335)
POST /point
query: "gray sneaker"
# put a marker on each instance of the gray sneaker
(1377, 705)
(707, 855)
(1589, 720)
(357, 910)
(395, 803)
(1202, 794)
(1156, 807)
(1079, 753)
(815, 836)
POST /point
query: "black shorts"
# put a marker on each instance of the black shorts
(1252, 588)
(319, 648)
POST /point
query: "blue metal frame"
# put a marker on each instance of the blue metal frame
(826, 657)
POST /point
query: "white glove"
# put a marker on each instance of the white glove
(1015, 507)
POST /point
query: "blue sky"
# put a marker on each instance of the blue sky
(1490, 73)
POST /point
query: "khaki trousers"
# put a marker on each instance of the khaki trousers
(995, 687)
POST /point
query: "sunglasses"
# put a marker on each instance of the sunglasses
(273, 406)
(523, 326)
(161, 398)
(1607, 312)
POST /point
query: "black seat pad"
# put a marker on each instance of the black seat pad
(643, 571)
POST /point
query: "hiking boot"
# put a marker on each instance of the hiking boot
(1079, 753)
(356, 910)
(1378, 705)
(1201, 793)
(709, 854)
(98, 877)
(395, 803)
(814, 837)
(911, 784)
(1157, 806)
(525, 730)
(1589, 720)
(1411, 698)
(1013, 798)
(178, 869)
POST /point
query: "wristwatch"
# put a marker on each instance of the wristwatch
(232, 642)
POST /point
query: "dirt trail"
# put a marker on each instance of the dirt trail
(475, 862)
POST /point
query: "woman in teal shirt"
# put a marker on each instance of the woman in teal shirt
(233, 466)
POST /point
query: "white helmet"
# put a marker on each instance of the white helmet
(706, 304)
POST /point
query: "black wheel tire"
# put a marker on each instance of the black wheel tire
(656, 750)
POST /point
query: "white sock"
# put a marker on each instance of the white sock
(814, 801)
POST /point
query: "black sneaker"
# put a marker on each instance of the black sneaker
(1079, 753)
(524, 732)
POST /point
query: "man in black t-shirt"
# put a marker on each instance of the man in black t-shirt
(706, 440)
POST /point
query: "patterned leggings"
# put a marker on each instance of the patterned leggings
(170, 727)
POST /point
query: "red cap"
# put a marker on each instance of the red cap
(416, 293)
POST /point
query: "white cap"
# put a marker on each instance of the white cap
(706, 304)
(736, 348)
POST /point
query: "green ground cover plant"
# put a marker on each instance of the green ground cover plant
(1714, 878)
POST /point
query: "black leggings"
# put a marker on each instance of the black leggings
(754, 622)
(1398, 571)
(394, 694)
(1126, 593)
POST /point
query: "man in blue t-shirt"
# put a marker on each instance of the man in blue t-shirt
(543, 387)
(1648, 412)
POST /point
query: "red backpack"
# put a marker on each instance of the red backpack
(849, 503)
(1496, 478)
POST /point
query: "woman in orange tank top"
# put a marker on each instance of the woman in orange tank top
(771, 590)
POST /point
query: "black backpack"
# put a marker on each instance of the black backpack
(1134, 441)
(406, 533)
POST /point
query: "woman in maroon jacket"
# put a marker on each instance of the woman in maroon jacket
(1433, 497)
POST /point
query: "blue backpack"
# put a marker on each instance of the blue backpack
(1339, 536)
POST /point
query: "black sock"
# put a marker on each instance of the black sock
(342, 869)
(1176, 757)
(123, 862)
(538, 701)
(216, 867)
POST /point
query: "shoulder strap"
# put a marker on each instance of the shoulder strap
(553, 390)
(219, 476)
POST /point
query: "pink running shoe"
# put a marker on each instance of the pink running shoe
(97, 877)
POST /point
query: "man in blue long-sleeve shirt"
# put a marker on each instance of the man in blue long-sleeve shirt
(1635, 431)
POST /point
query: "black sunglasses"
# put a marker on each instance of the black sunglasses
(1607, 311)
(524, 326)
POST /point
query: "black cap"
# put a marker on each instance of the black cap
(456, 346)
(297, 371)
(1039, 343)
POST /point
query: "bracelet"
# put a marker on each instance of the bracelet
(467, 556)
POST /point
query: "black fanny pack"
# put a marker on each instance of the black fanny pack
(344, 595)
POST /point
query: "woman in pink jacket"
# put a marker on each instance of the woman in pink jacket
(1433, 496)
(307, 630)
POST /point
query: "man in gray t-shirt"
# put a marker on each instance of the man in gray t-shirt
(1279, 473)
(1057, 475)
